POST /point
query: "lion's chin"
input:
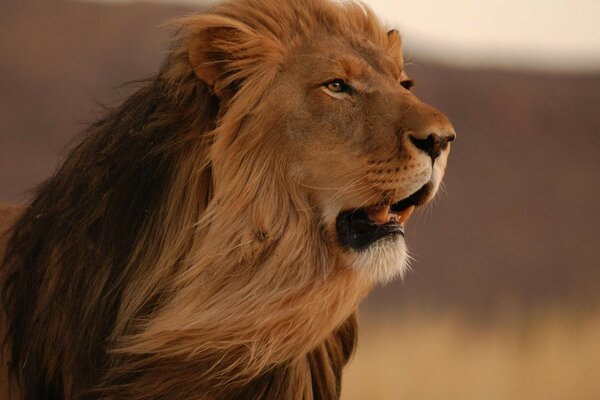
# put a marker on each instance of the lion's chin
(383, 261)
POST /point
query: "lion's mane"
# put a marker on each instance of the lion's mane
(168, 257)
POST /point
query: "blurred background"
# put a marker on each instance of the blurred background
(503, 300)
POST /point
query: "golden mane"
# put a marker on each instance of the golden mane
(119, 283)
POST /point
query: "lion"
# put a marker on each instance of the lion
(213, 236)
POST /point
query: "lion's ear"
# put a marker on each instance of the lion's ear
(394, 45)
(221, 51)
(206, 58)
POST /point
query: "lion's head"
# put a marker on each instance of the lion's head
(213, 236)
(334, 115)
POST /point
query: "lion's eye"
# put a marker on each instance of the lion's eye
(407, 84)
(338, 86)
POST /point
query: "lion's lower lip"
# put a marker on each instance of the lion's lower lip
(357, 230)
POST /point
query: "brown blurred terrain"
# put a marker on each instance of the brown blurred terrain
(513, 237)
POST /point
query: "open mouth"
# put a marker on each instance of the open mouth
(360, 228)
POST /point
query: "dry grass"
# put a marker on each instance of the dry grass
(445, 357)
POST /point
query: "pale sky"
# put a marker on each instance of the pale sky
(538, 34)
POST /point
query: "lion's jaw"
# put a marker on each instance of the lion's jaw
(382, 261)
(388, 257)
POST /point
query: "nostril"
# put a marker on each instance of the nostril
(432, 144)
(451, 137)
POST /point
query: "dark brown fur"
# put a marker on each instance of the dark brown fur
(101, 201)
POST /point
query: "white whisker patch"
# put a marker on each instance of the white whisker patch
(382, 261)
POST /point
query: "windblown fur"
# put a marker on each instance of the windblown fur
(172, 255)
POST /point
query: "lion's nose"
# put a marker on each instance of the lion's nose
(433, 144)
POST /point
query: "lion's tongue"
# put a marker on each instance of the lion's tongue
(382, 215)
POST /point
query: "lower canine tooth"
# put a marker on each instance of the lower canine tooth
(405, 214)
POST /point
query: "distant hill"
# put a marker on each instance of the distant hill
(518, 224)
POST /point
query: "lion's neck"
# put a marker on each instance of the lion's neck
(255, 291)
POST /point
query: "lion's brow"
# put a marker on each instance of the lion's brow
(371, 60)
(354, 66)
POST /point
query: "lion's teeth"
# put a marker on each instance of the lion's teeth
(405, 214)
(382, 215)
(379, 215)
